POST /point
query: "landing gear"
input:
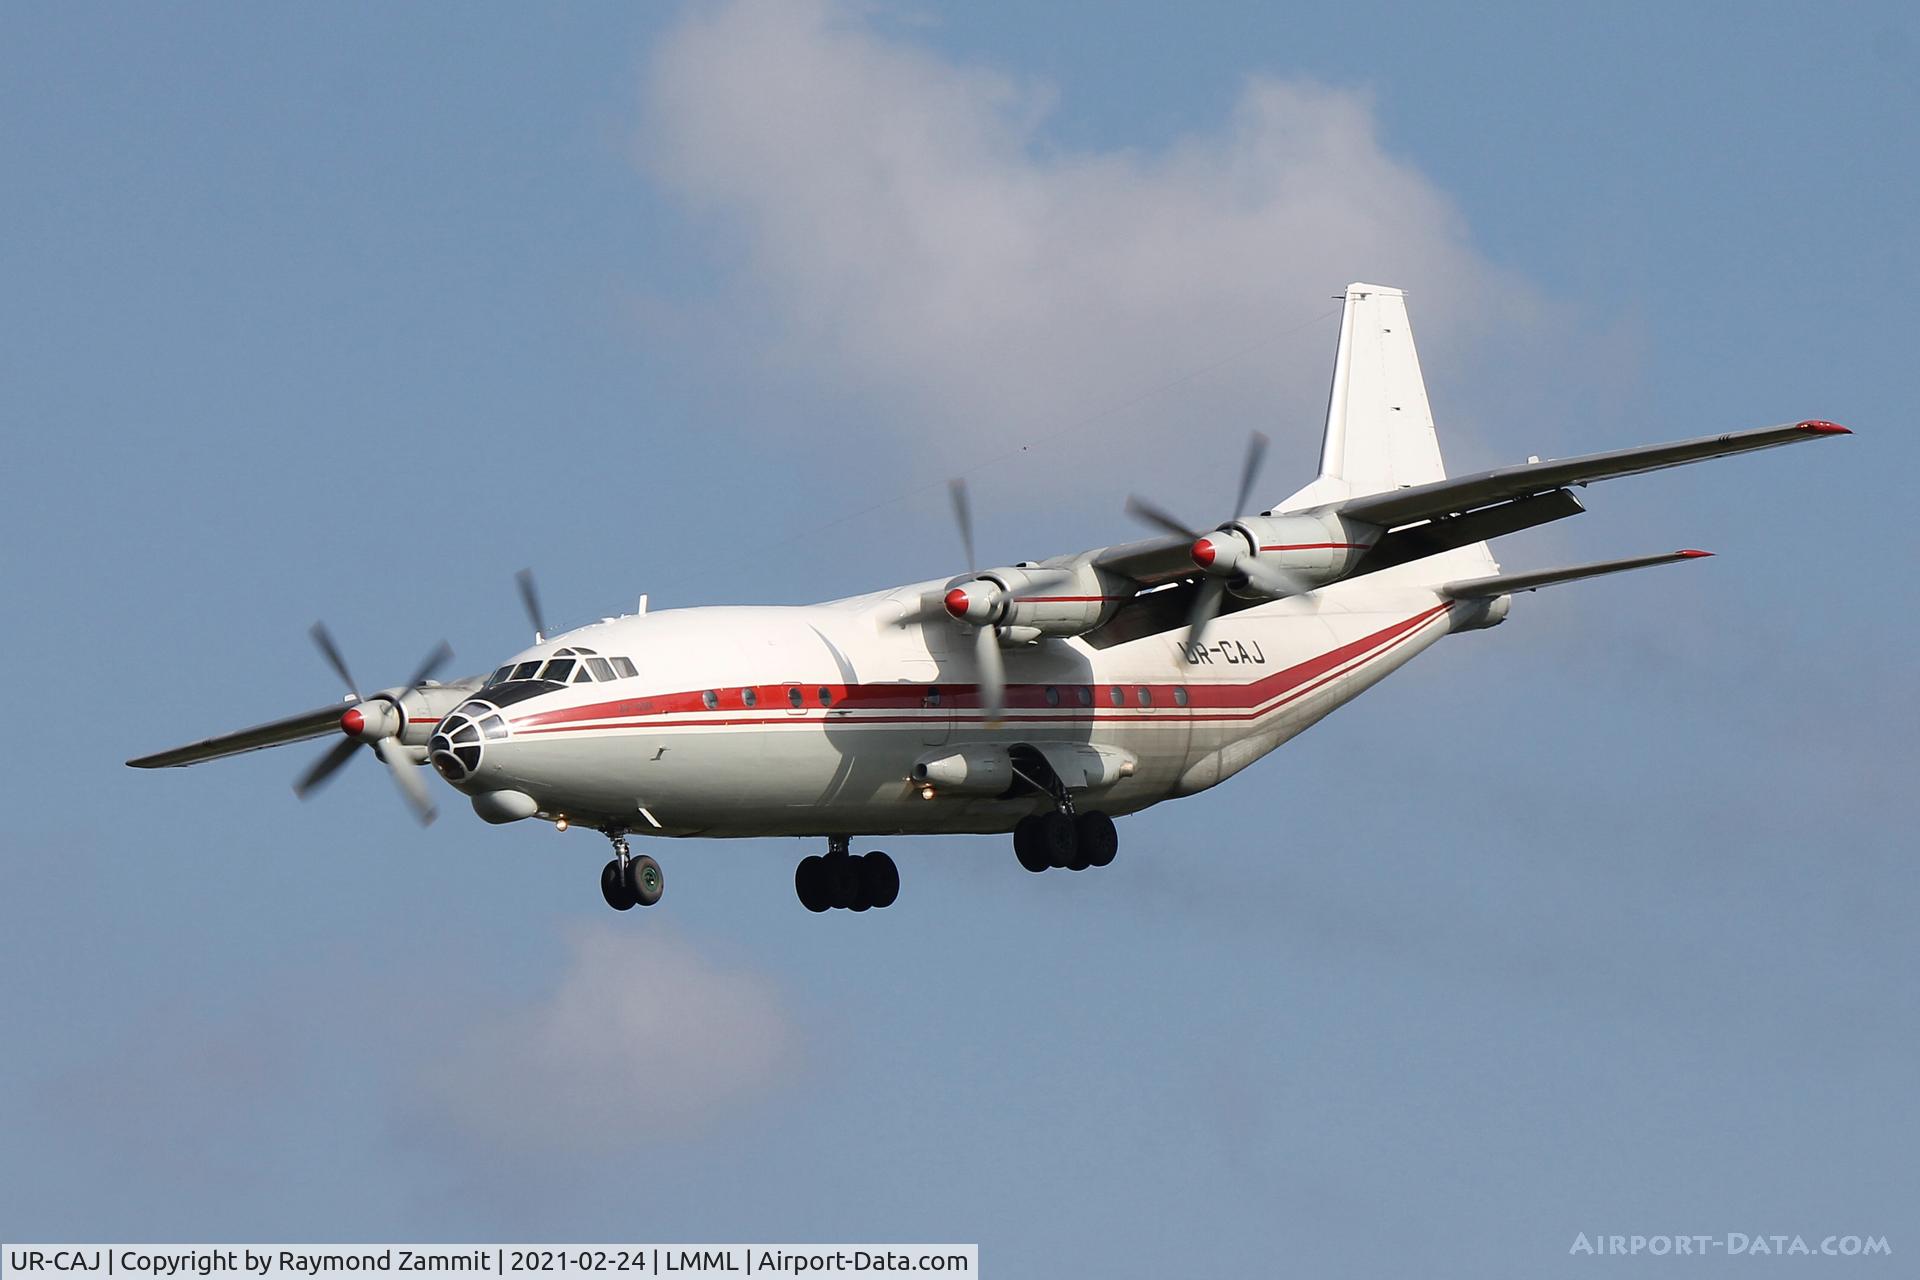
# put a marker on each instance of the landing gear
(845, 881)
(627, 881)
(1068, 841)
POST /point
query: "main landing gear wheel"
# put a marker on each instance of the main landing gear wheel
(1097, 840)
(1026, 845)
(844, 881)
(1065, 841)
(810, 883)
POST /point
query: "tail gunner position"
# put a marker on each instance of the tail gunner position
(1045, 698)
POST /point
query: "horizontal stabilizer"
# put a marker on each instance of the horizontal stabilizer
(1464, 493)
(1505, 583)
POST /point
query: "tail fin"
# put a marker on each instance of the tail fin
(1379, 434)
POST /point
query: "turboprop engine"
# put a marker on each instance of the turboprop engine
(1283, 555)
(1031, 601)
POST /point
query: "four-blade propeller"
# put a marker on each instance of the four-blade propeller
(983, 603)
(1222, 555)
(375, 722)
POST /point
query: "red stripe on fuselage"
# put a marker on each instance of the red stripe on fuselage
(1205, 701)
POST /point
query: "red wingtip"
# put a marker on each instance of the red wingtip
(1822, 428)
(353, 722)
(957, 603)
(1692, 554)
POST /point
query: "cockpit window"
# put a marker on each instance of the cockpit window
(524, 671)
(602, 669)
(500, 676)
(581, 675)
(624, 667)
(557, 670)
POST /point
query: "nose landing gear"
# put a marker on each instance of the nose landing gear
(844, 881)
(627, 881)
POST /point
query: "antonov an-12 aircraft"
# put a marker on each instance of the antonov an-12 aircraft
(1044, 698)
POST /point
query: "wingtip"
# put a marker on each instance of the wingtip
(1821, 427)
(1692, 554)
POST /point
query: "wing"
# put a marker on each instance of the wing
(1501, 584)
(1504, 484)
(1150, 561)
(310, 724)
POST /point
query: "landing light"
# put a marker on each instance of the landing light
(926, 793)
(559, 824)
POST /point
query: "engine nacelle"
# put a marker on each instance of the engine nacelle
(427, 705)
(1315, 549)
(1038, 601)
(972, 771)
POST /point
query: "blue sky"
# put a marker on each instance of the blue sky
(1597, 922)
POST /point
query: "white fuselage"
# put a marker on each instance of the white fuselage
(808, 720)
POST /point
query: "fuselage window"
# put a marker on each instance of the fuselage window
(710, 699)
(825, 695)
(1085, 694)
(1118, 696)
(794, 699)
(558, 671)
(602, 669)
(1053, 696)
(1145, 695)
(525, 671)
(748, 698)
(624, 667)
(1180, 696)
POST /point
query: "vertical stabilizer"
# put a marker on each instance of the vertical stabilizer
(1379, 427)
(1379, 433)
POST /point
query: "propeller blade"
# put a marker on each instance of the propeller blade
(530, 600)
(324, 640)
(406, 775)
(963, 516)
(432, 663)
(1140, 509)
(1250, 470)
(990, 669)
(1206, 607)
(325, 767)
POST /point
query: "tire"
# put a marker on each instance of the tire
(810, 883)
(843, 881)
(1056, 838)
(645, 880)
(1026, 845)
(883, 879)
(1098, 840)
(614, 889)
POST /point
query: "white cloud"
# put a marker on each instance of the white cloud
(904, 231)
(640, 1038)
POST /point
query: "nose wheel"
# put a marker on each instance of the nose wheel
(838, 880)
(627, 881)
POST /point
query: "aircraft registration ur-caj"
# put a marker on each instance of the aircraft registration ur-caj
(1045, 698)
